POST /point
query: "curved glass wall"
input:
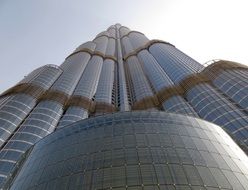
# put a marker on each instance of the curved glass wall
(137, 39)
(104, 33)
(88, 83)
(160, 80)
(101, 44)
(86, 87)
(72, 114)
(126, 46)
(88, 45)
(12, 112)
(234, 83)
(123, 31)
(41, 122)
(212, 106)
(3, 99)
(154, 72)
(111, 47)
(44, 117)
(32, 75)
(112, 31)
(47, 77)
(177, 104)
(135, 150)
(176, 64)
(106, 82)
(138, 84)
(18, 106)
(43, 76)
(73, 68)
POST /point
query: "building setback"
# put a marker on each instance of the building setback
(125, 112)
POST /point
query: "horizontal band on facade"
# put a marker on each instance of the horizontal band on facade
(168, 92)
(146, 103)
(105, 36)
(64, 99)
(186, 84)
(193, 80)
(133, 31)
(219, 66)
(90, 105)
(206, 76)
(103, 107)
(81, 101)
(54, 66)
(55, 95)
(123, 27)
(146, 46)
(93, 53)
(25, 88)
(78, 101)
(111, 27)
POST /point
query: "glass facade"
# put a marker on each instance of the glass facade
(213, 106)
(234, 85)
(135, 150)
(122, 70)
(138, 84)
(14, 109)
(106, 82)
(175, 63)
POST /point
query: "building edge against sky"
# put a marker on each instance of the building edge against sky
(121, 70)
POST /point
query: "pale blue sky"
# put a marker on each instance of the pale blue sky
(39, 32)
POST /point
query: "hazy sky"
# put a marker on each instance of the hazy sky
(39, 32)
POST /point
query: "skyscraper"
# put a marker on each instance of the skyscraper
(157, 138)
